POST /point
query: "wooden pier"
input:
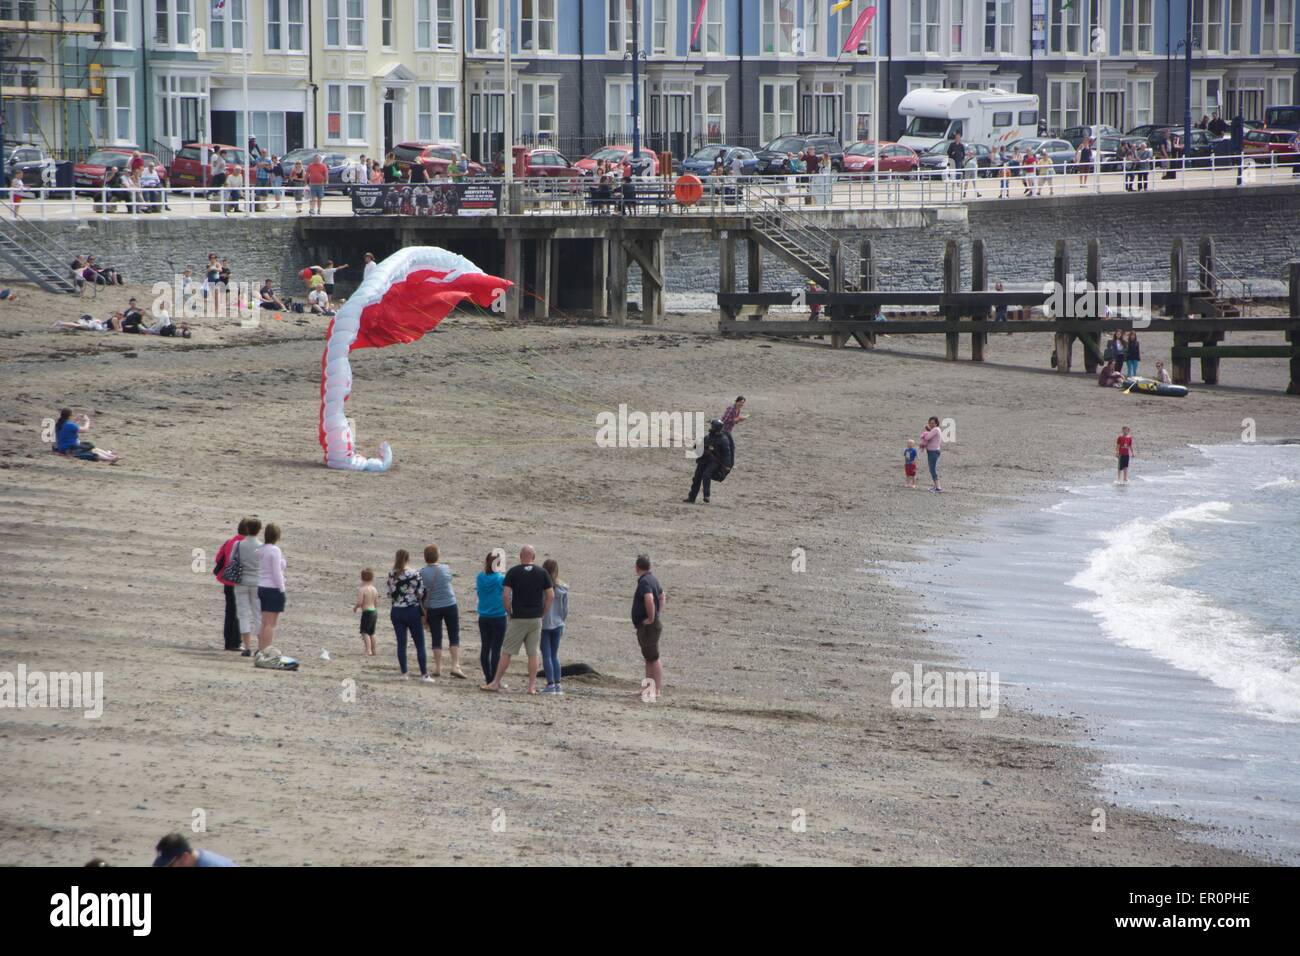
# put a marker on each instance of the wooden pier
(1193, 311)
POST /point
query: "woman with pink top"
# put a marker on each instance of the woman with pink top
(932, 442)
(270, 594)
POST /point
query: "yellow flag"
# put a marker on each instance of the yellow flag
(836, 8)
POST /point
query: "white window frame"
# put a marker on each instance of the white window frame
(774, 41)
(1003, 26)
(773, 122)
(703, 115)
(482, 12)
(346, 113)
(223, 24)
(540, 24)
(1277, 24)
(1066, 30)
(813, 28)
(859, 102)
(1137, 27)
(388, 25)
(924, 27)
(1208, 26)
(283, 12)
(433, 123)
(661, 29)
(116, 11)
(339, 18)
(530, 91)
(712, 38)
(867, 45)
(109, 110)
(180, 20)
(272, 141)
(618, 89)
(1200, 95)
(1059, 115)
(618, 27)
(433, 31)
(1133, 115)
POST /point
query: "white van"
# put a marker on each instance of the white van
(990, 117)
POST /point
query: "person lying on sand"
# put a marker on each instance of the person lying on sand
(9, 294)
(88, 324)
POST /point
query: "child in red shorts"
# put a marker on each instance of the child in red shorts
(1123, 451)
(909, 463)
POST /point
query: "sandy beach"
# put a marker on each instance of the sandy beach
(777, 710)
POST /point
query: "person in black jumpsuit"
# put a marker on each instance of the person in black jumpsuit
(717, 459)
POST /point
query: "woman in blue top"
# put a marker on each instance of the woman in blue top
(491, 614)
(67, 439)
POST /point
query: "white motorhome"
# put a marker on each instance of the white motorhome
(991, 117)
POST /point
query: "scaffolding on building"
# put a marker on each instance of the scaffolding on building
(51, 80)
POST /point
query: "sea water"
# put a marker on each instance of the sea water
(1165, 616)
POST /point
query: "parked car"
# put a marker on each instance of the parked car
(1282, 117)
(191, 167)
(89, 176)
(543, 162)
(700, 163)
(435, 157)
(24, 163)
(935, 159)
(1074, 135)
(1206, 150)
(621, 155)
(1061, 152)
(860, 159)
(334, 160)
(1280, 146)
(772, 156)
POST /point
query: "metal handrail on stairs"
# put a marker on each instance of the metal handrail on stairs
(45, 257)
(776, 215)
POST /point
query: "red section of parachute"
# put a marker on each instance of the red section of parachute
(416, 304)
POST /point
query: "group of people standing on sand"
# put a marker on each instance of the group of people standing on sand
(523, 608)
(251, 572)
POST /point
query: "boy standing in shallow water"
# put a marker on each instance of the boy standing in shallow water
(367, 602)
(909, 463)
(1123, 451)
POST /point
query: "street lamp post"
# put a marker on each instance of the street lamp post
(1187, 88)
(1099, 50)
(636, 88)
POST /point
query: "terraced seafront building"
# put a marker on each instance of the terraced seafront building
(360, 75)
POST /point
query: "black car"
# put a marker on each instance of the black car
(24, 164)
(772, 156)
(1206, 150)
(935, 159)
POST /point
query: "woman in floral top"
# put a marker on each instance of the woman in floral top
(407, 594)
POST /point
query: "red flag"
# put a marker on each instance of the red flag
(859, 28)
(416, 304)
(699, 18)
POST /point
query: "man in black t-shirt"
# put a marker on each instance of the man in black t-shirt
(647, 609)
(527, 594)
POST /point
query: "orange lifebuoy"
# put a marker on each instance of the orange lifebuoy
(688, 190)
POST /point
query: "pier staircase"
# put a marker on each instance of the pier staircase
(780, 225)
(33, 253)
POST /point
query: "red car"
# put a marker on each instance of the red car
(192, 164)
(543, 162)
(1283, 144)
(621, 155)
(860, 158)
(89, 175)
(435, 157)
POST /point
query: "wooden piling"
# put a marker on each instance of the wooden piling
(542, 277)
(1063, 341)
(726, 270)
(867, 283)
(979, 282)
(1292, 336)
(514, 271)
(1092, 345)
(1180, 366)
(951, 283)
(617, 278)
(600, 278)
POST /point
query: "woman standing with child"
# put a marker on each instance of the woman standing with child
(932, 442)
(439, 608)
(553, 627)
(407, 593)
(491, 614)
